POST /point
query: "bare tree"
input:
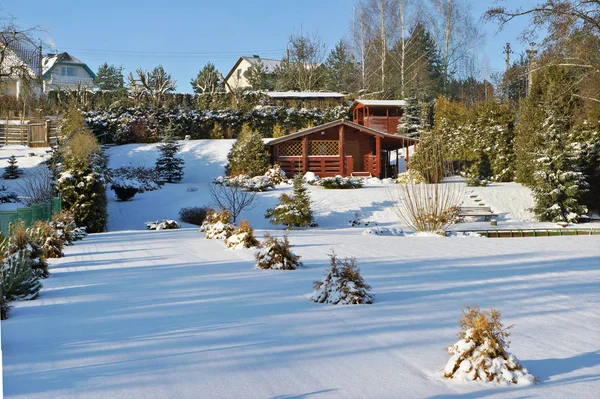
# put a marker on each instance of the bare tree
(36, 186)
(302, 68)
(153, 84)
(233, 197)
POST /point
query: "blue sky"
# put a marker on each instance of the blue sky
(183, 35)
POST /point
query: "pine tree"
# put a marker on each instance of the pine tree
(293, 210)
(342, 73)
(258, 77)
(110, 77)
(17, 280)
(248, 156)
(410, 122)
(207, 81)
(168, 166)
(12, 171)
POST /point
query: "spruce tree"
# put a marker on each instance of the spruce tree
(293, 210)
(248, 156)
(168, 166)
(12, 171)
(410, 122)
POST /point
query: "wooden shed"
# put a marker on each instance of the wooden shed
(338, 148)
(382, 115)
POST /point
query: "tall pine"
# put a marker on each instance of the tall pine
(12, 171)
(248, 156)
(168, 165)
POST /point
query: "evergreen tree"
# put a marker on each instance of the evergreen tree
(12, 171)
(217, 132)
(207, 81)
(342, 73)
(258, 77)
(168, 166)
(248, 156)
(81, 169)
(17, 280)
(423, 76)
(110, 77)
(410, 122)
(293, 210)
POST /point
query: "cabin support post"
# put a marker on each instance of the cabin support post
(407, 156)
(397, 166)
(378, 155)
(342, 152)
(304, 154)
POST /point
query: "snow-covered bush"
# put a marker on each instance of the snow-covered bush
(217, 225)
(383, 231)
(166, 224)
(275, 174)
(147, 179)
(7, 197)
(339, 182)
(411, 176)
(248, 156)
(125, 189)
(23, 240)
(64, 225)
(242, 237)
(342, 284)
(48, 238)
(276, 254)
(18, 280)
(194, 215)
(481, 353)
(294, 210)
(254, 184)
(311, 178)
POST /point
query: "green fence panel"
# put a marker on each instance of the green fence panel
(36, 210)
(26, 215)
(6, 218)
(46, 212)
(56, 205)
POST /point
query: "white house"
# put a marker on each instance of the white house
(65, 72)
(235, 79)
(16, 67)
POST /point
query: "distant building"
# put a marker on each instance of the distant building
(381, 115)
(65, 72)
(235, 79)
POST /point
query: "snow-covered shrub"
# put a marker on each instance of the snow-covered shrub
(147, 179)
(275, 174)
(217, 225)
(357, 221)
(166, 224)
(342, 284)
(248, 156)
(411, 176)
(242, 237)
(311, 178)
(7, 197)
(125, 189)
(383, 231)
(12, 171)
(276, 254)
(294, 210)
(44, 235)
(22, 240)
(168, 166)
(481, 353)
(18, 280)
(473, 181)
(194, 215)
(339, 182)
(64, 225)
(254, 184)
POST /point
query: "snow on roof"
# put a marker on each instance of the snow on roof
(303, 94)
(50, 60)
(269, 64)
(382, 103)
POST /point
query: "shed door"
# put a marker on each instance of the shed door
(351, 148)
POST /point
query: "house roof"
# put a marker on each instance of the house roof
(51, 60)
(400, 141)
(303, 94)
(269, 64)
(380, 103)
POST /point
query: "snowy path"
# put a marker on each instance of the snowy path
(170, 315)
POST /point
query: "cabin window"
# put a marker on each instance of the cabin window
(324, 147)
(290, 149)
(67, 71)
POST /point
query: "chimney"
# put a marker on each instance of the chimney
(256, 56)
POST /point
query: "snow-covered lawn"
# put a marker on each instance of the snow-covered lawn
(167, 314)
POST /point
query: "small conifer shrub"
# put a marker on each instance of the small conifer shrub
(341, 183)
(293, 210)
(17, 279)
(12, 171)
(248, 156)
(46, 236)
(168, 165)
(64, 225)
(276, 254)
(7, 197)
(217, 225)
(481, 353)
(342, 284)
(242, 237)
(24, 241)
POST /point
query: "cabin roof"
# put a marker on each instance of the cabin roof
(379, 103)
(361, 128)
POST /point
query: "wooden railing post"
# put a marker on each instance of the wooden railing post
(341, 150)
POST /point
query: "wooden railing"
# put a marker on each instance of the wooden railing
(323, 166)
(372, 164)
(386, 124)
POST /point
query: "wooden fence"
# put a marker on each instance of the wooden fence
(38, 133)
(30, 214)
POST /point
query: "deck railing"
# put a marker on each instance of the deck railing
(323, 166)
